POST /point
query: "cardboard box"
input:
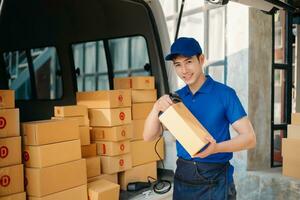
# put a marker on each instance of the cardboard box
(52, 154)
(48, 180)
(138, 173)
(293, 131)
(142, 96)
(144, 152)
(103, 190)
(141, 110)
(110, 117)
(109, 177)
(134, 82)
(106, 148)
(9, 123)
(70, 111)
(138, 129)
(11, 180)
(93, 166)
(84, 133)
(111, 165)
(7, 99)
(104, 99)
(115, 134)
(10, 151)
(81, 120)
(178, 120)
(18, 196)
(295, 119)
(49, 131)
(77, 193)
(89, 150)
(291, 160)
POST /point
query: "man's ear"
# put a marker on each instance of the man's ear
(201, 58)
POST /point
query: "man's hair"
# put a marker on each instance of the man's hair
(197, 55)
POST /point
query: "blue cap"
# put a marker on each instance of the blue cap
(184, 46)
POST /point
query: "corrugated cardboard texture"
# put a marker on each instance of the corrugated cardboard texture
(138, 129)
(70, 111)
(116, 133)
(93, 166)
(11, 180)
(134, 82)
(49, 131)
(89, 150)
(77, 193)
(291, 160)
(105, 99)
(142, 96)
(141, 110)
(109, 177)
(10, 151)
(103, 190)
(52, 154)
(106, 148)
(84, 132)
(138, 173)
(111, 165)
(7, 99)
(49, 180)
(185, 128)
(81, 120)
(295, 119)
(293, 131)
(110, 117)
(19, 196)
(9, 123)
(143, 152)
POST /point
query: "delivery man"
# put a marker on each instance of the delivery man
(209, 175)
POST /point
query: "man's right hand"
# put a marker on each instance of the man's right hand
(163, 103)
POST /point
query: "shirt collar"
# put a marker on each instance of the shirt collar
(205, 88)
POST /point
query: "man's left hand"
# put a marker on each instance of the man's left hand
(211, 148)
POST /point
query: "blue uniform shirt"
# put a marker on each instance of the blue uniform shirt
(216, 106)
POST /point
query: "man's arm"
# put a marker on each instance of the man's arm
(244, 140)
(152, 126)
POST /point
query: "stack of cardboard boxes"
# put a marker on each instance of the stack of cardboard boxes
(88, 150)
(54, 168)
(291, 148)
(11, 169)
(143, 153)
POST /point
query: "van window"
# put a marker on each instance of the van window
(128, 57)
(41, 80)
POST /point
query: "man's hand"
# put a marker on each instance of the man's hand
(211, 148)
(163, 103)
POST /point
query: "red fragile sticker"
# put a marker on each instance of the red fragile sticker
(26, 156)
(123, 132)
(103, 149)
(5, 181)
(122, 147)
(2, 122)
(121, 162)
(120, 98)
(3, 152)
(122, 116)
(147, 81)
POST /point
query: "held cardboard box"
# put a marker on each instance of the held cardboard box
(290, 154)
(11, 180)
(9, 123)
(18, 196)
(138, 129)
(52, 154)
(115, 134)
(48, 180)
(106, 148)
(76, 193)
(70, 111)
(105, 99)
(138, 173)
(142, 96)
(185, 128)
(144, 152)
(141, 110)
(103, 190)
(89, 150)
(82, 120)
(49, 131)
(109, 177)
(93, 166)
(293, 131)
(10, 151)
(7, 99)
(111, 165)
(110, 117)
(84, 132)
(295, 119)
(134, 82)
